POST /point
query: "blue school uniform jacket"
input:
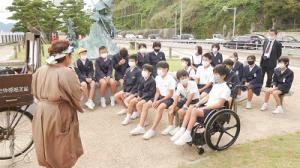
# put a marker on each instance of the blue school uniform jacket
(131, 80)
(154, 59)
(216, 60)
(84, 71)
(119, 69)
(254, 77)
(232, 80)
(238, 68)
(147, 88)
(283, 81)
(142, 59)
(103, 68)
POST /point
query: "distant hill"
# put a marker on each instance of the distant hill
(6, 27)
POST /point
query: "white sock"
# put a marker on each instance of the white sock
(188, 132)
(128, 115)
(279, 107)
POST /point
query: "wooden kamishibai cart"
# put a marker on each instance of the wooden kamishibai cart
(16, 99)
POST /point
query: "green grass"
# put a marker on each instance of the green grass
(174, 64)
(273, 152)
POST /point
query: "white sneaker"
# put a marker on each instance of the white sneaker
(135, 115)
(264, 107)
(138, 130)
(126, 120)
(178, 134)
(185, 138)
(149, 134)
(167, 130)
(112, 101)
(248, 105)
(122, 112)
(103, 102)
(173, 132)
(278, 110)
(89, 105)
(239, 98)
(92, 103)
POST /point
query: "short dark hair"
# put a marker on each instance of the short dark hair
(102, 48)
(235, 54)
(182, 73)
(162, 64)
(208, 56)
(188, 60)
(148, 68)
(274, 30)
(142, 45)
(285, 60)
(156, 44)
(199, 50)
(133, 57)
(222, 70)
(251, 57)
(228, 62)
(217, 45)
(123, 52)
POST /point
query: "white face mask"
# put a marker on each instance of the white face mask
(281, 66)
(83, 57)
(184, 82)
(206, 63)
(160, 72)
(215, 50)
(104, 55)
(271, 38)
(131, 64)
(145, 74)
(183, 64)
(217, 78)
(143, 50)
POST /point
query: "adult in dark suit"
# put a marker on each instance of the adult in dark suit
(272, 50)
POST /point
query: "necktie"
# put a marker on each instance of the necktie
(268, 47)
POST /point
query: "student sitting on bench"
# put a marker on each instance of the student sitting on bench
(282, 81)
(186, 94)
(131, 81)
(219, 94)
(84, 69)
(104, 69)
(165, 86)
(146, 92)
(252, 78)
(120, 64)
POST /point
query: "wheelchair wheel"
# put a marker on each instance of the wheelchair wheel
(222, 130)
(15, 132)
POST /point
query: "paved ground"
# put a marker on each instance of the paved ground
(108, 144)
(5, 53)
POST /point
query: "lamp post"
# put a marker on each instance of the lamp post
(181, 10)
(225, 8)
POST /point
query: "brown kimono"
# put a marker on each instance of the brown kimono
(55, 123)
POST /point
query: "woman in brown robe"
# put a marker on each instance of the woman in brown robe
(55, 125)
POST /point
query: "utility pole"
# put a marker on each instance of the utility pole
(181, 10)
(176, 13)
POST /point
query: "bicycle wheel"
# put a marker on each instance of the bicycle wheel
(15, 132)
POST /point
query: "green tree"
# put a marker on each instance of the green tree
(38, 13)
(74, 9)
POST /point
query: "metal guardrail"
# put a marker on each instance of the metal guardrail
(255, 46)
(9, 38)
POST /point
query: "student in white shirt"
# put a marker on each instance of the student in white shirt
(165, 86)
(186, 94)
(219, 94)
(205, 75)
(187, 66)
(196, 59)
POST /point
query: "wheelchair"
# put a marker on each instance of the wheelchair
(219, 129)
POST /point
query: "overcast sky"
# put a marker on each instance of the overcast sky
(4, 14)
